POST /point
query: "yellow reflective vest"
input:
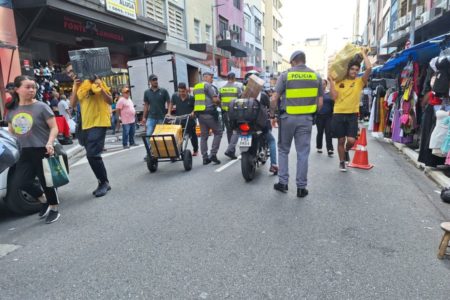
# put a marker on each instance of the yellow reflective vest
(227, 94)
(302, 89)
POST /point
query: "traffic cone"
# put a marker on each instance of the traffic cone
(361, 159)
(362, 139)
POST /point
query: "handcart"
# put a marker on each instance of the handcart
(164, 147)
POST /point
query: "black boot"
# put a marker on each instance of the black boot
(302, 193)
(281, 187)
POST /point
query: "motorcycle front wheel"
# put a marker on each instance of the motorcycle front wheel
(248, 166)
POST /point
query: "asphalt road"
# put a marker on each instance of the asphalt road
(209, 235)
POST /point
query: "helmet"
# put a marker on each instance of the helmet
(250, 73)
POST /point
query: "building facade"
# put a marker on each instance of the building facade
(273, 37)
(253, 37)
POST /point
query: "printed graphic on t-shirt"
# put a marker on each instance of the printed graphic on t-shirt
(22, 123)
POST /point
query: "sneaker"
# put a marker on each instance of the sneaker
(206, 161)
(347, 157)
(342, 166)
(214, 159)
(302, 192)
(281, 187)
(319, 150)
(126, 147)
(330, 153)
(273, 169)
(102, 189)
(134, 145)
(44, 210)
(53, 216)
(231, 155)
(195, 153)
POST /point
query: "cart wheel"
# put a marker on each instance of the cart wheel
(152, 164)
(187, 160)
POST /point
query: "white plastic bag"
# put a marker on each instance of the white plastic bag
(72, 126)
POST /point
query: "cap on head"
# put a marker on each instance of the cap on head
(207, 73)
(231, 75)
(152, 77)
(297, 55)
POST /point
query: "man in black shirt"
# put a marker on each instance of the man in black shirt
(155, 99)
(184, 104)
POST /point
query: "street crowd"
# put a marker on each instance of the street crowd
(299, 99)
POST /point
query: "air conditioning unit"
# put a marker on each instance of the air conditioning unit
(408, 17)
(402, 21)
(419, 11)
(425, 17)
(227, 35)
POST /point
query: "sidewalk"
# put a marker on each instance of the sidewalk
(435, 174)
(112, 143)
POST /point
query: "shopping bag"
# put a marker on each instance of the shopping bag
(72, 126)
(55, 172)
(339, 65)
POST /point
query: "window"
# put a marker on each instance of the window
(258, 30)
(176, 22)
(197, 31)
(247, 23)
(223, 27)
(208, 34)
(258, 56)
(155, 10)
(237, 4)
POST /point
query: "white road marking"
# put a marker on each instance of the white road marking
(7, 248)
(228, 165)
(85, 161)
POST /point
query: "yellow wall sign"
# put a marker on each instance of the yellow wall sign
(125, 8)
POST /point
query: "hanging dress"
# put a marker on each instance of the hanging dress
(439, 134)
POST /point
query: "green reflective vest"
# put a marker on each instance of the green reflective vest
(199, 97)
(227, 94)
(302, 90)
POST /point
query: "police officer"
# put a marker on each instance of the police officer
(298, 95)
(228, 93)
(206, 101)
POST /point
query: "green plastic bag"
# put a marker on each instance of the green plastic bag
(55, 172)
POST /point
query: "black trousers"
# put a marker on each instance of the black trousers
(323, 123)
(191, 131)
(226, 121)
(94, 144)
(28, 168)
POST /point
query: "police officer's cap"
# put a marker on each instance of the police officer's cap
(296, 54)
(207, 73)
(231, 75)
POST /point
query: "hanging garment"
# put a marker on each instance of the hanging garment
(447, 161)
(441, 85)
(425, 154)
(439, 134)
(446, 145)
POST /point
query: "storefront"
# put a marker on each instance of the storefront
(48, 29)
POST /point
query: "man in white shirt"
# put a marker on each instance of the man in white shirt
(63, 108)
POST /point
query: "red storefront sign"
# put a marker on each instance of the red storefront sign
(90, 28)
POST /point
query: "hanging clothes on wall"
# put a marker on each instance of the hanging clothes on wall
(439, 134)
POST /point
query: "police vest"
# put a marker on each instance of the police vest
(301, 92)
(227, 94)
(199, 97)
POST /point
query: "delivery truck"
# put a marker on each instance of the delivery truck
(171, 69)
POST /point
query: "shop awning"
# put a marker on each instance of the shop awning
(149, 28)
(236, 49)
(422, 52)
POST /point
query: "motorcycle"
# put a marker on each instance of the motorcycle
(254, 149)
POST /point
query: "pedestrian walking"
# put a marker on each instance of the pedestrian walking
(95, 99)
(323, 121)
(34, 125)
(298, 94)
(206, 101)
(155, 100)
(230, 91)
(184, 104)
(64, 108)
(115, 121)
(127, 113)
(346, 95)
(54, 103)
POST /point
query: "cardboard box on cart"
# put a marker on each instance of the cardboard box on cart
(165, 144)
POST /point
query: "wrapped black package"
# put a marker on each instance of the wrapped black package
(89, 62)
(247, 110)
(9, 150)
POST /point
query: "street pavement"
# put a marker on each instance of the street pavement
(207, 234)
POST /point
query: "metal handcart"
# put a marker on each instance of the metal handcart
(162, 152)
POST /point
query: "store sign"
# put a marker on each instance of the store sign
(90, 28)
(125, 8)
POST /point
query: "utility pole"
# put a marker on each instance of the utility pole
(213, 26)
(412, 24)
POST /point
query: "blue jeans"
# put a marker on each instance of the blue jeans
(272, 146)
(151, 123)
(128, 131)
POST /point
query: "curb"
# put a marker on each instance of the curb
(74, 151)
(437, 176)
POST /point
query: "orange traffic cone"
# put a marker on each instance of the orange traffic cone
(362, 139)
(361, 159)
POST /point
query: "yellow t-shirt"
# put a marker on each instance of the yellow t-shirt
(349, 94)
(95, 112)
